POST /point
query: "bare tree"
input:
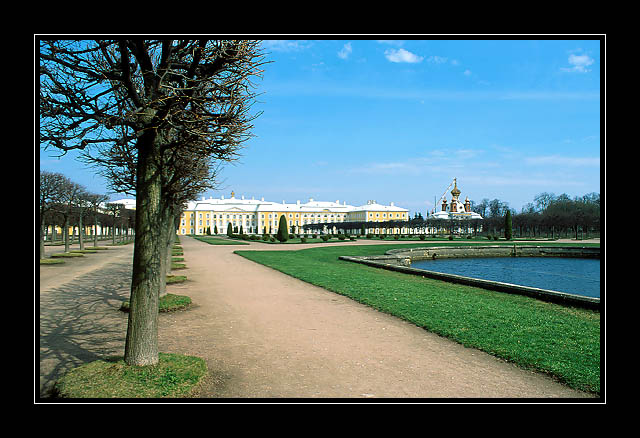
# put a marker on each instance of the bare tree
(141, 106)
(94, 201)
(115, 211)
(543, 200)
(52, 186)
(69, 196)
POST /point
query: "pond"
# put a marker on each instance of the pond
(571, 275)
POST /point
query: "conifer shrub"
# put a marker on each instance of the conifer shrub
(283, 230)
(508, 229)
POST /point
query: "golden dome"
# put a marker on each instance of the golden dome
(455, 192)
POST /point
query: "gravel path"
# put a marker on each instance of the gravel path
(264, 334)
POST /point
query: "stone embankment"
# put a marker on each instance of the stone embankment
(400, 260)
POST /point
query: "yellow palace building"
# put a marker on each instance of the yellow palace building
(260, 216)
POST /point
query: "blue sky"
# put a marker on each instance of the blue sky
(397, 120)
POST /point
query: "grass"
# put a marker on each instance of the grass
(172, 279)
(563, 342)
(67, 254)
(174, 376)
(166, 303)
(51, 261)
(218, 241)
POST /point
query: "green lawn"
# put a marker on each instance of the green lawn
(561, 341)
(218, 241)
(174, 376)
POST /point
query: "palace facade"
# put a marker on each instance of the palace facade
(260, 216)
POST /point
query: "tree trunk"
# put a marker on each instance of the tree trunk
(148, 278)
(95, 230)
(80, 232)
(42, 227)
(167, 227)
(66, 234)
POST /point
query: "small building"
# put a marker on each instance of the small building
(455, 211)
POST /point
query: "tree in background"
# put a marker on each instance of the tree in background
(71, 193)
(94, 203)
(229, 230)
(52, 186)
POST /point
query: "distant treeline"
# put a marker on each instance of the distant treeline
(548, 216)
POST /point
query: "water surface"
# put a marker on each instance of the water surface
(570, 275)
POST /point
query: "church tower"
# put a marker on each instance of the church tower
(454, 196)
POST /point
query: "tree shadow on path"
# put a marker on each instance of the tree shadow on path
(80, 322)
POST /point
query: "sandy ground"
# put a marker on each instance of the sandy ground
(265, 335)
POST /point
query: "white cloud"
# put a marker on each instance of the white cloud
(396, 43)
(436, 160)
(345, 51)
(402, 55)
(563, 161)
(467, 72)
(436, 59)
(286, 45)
(579, 63)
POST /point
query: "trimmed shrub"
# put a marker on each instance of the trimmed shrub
(283, 230)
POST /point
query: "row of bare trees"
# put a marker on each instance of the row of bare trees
(549, 215)
(66, 204)
(157, 117)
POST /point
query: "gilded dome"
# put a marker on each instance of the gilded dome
(455, 192)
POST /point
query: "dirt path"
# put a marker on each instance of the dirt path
(79, 317)
(267, 335)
